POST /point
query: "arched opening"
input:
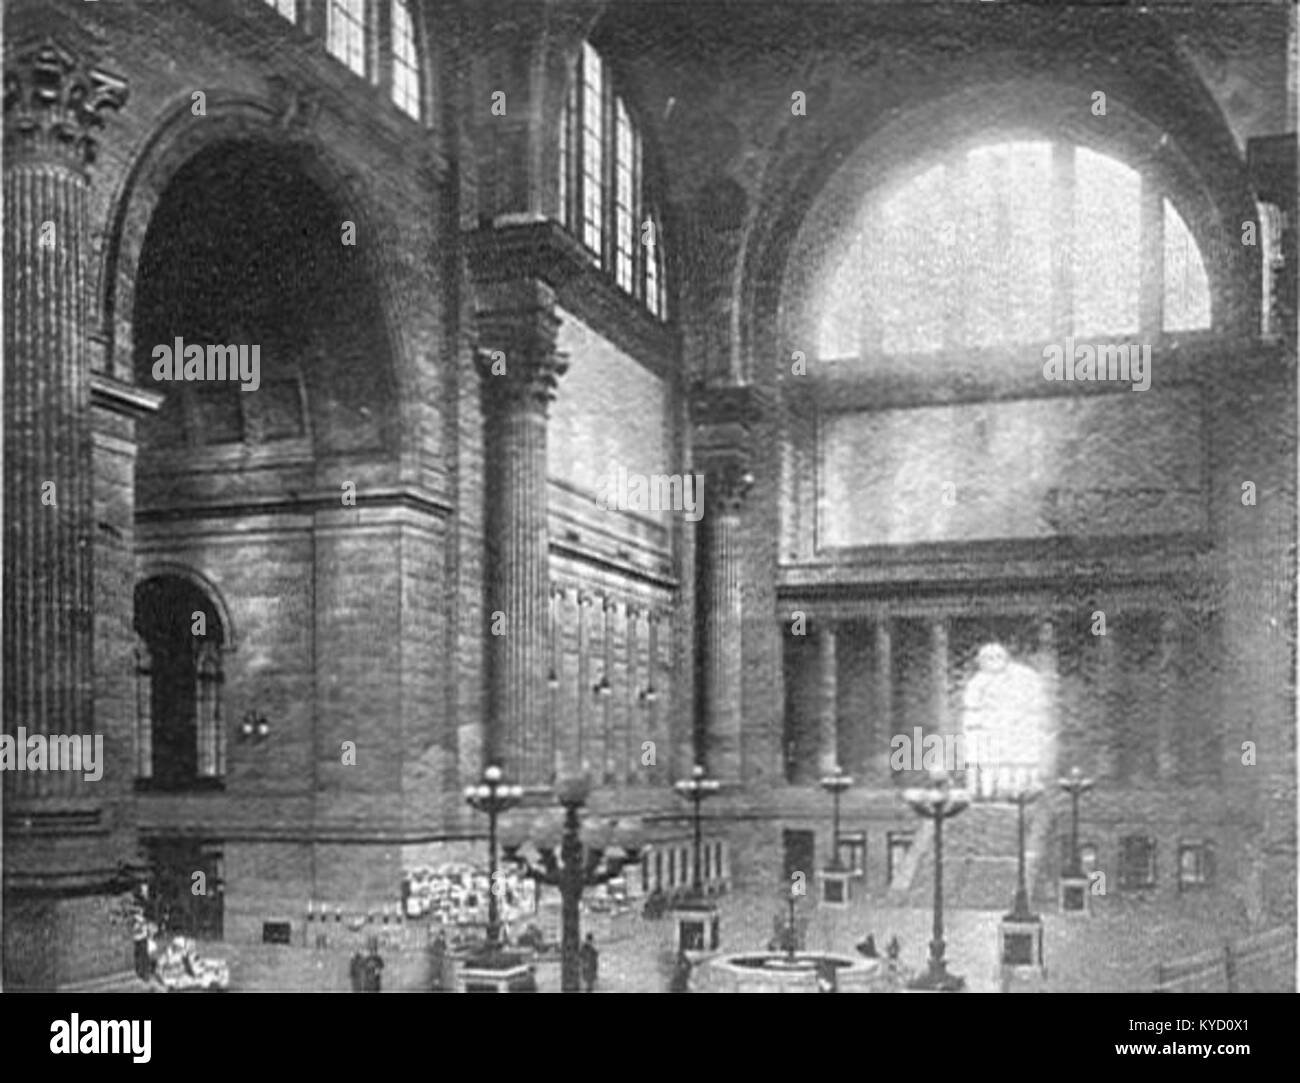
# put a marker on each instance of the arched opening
(1006, 243)
(251, 280)
(180, 739)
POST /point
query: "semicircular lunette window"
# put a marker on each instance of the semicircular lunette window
(1008, 243)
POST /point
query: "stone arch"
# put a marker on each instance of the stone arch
(1192, 155)
(177, 140)
(155, 569)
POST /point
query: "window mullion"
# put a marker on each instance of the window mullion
(1151, 246)
(609, 167)
(639, 253)
(577, 150)
(382, 54)
(961, 302)
(1063, 237)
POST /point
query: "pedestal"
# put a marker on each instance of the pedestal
(837, 887)
(1075, 895)
(696, 928)
(936, 980)
(506, 973)
(1020, 951)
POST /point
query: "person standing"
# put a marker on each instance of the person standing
(373, 968)
(681, 982)
(589, 958)
(439, 963)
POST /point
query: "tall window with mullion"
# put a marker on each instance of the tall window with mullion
(604, 195)
(406, 59)
(655, 294)
(592, 141)
(626, 183)
(347, 33)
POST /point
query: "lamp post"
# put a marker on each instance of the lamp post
(577, 867)
(696, 789)
(1020, 907)
(493, 797)
(937, 801)
(1076, 786)
(835, 784)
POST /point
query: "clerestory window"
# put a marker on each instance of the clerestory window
(406, 60)
(1011, 243)
(606, 199)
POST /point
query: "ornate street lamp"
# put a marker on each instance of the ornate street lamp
(1073, 882)
(493, 797)
(1076, 786)
(696, 789)
(577, 867)
(1020, 906)
(1020, 933)
(937, 802)
(835, 784)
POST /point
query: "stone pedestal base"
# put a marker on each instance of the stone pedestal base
(1020, 948)
(837, 887)
(1075, 895)
(696, 928)
(66, 944)
(503, 974)
(936, 979)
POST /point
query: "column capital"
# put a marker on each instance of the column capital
(727, 481)
(515, 351)
(525, 378)
(54, 102)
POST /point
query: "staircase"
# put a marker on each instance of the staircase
(980, 858)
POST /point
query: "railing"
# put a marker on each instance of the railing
(1263, 962)
(995, 781)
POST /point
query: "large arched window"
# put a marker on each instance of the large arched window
(606, 197)
(1016, 242)
(180, 742)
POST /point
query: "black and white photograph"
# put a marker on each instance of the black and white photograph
(637, 496)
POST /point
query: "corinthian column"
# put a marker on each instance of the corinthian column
(520, 369)
(828, 700)
(63, 839)
(726, 484)
(53, 106)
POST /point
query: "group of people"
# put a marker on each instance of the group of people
(367, 969)
(867, 948)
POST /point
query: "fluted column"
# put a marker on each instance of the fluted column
(1167, 713)
(1049, 662)
(1105, 745)
(67, 839)
(53, 109)
(828, 700)
(520, 370)
(939, 672)
(726, 485)
(883, 724)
